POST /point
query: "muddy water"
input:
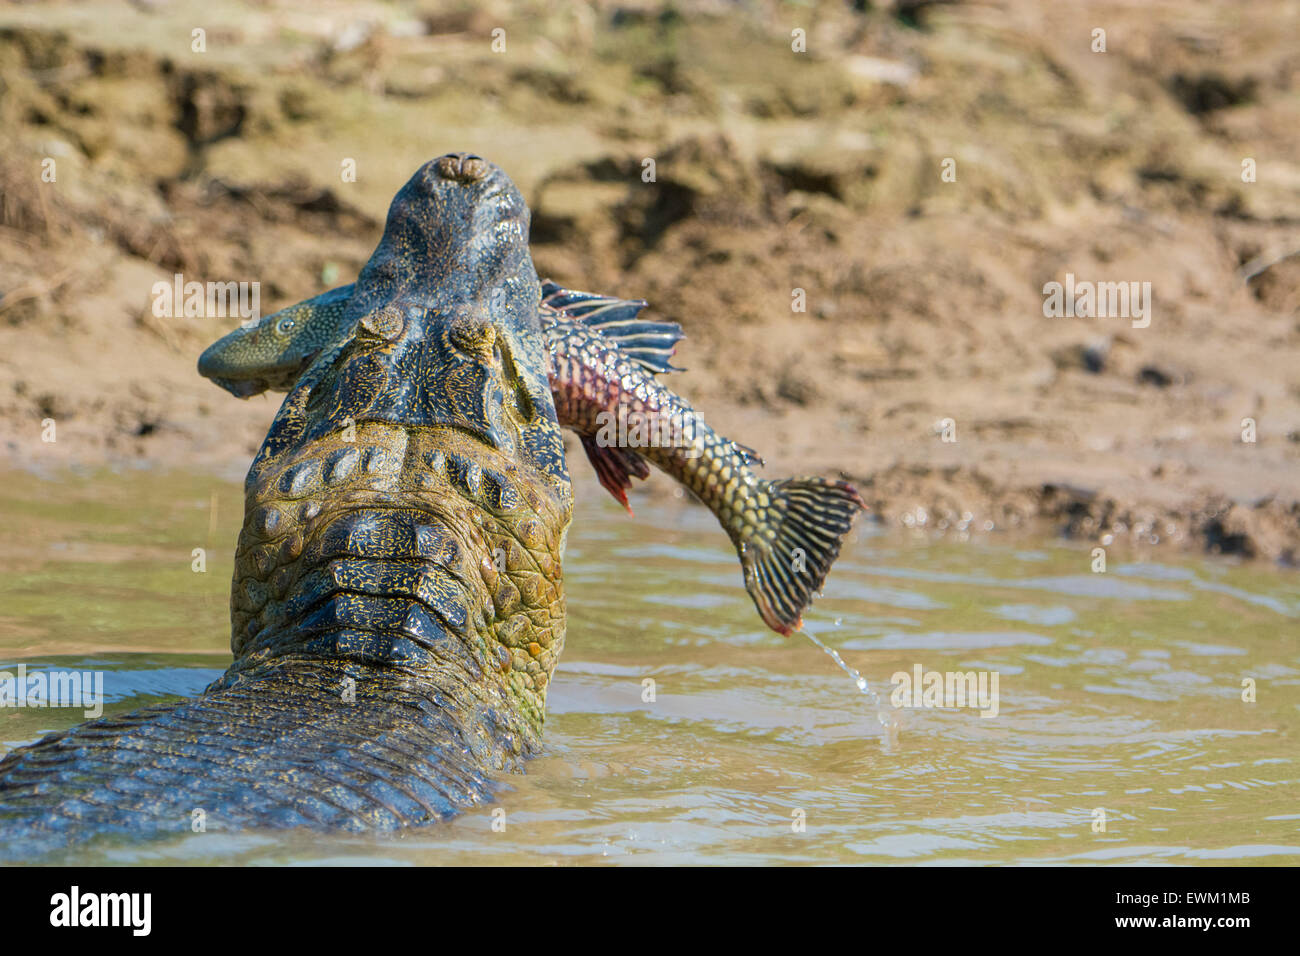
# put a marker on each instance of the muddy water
(1119, 694)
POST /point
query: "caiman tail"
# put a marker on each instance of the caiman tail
(292, 748)
(397, 605)
(787, 532)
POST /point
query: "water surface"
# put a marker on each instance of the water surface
(1119, 693)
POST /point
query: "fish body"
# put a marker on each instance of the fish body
(787, 532)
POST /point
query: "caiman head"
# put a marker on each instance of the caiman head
(407, 511)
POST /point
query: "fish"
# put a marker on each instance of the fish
(787, 531)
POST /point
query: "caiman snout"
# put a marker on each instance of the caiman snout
(462, 167)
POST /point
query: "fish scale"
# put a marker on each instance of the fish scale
(787, 532)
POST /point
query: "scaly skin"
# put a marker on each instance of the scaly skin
(787, 532)
(602, 365)
(397, 602)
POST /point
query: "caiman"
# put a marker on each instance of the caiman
(384, 667)
(603, 359)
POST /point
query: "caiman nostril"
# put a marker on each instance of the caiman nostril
(462, 167)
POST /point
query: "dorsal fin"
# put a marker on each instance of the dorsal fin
(751, 457)
(648, 343)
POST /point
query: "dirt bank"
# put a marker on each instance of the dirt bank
(922, 364)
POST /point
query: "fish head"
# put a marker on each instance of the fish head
(273, 352)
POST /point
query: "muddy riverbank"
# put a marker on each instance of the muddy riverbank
(856, 236)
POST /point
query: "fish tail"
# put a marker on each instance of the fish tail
(785, 569)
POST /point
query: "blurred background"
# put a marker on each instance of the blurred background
(796, 146)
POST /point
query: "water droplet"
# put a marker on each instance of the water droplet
(886, 719)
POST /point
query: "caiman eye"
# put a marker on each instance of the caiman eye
(283, 326)
(385, 324)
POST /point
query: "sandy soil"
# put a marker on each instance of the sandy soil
(775, 171)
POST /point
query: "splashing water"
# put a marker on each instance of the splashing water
(886, 719)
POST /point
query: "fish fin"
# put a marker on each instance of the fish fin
(783, 574)
(615, 467)
(750, 455)
(648, 343)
